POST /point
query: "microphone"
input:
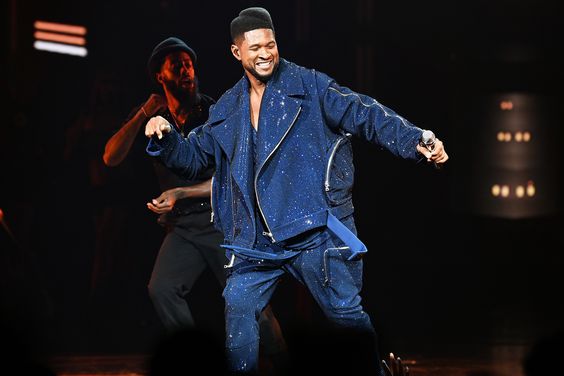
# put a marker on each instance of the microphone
(428, 140)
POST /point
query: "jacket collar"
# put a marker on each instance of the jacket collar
(286, 79)
(229, 117)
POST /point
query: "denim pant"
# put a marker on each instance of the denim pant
(187, 250)
(333, 281)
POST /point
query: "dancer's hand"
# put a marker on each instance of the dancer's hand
(165, 202)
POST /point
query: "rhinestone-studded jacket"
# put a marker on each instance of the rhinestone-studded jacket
(304, 163)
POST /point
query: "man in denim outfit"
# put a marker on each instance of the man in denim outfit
(191, 244)
(279, 141)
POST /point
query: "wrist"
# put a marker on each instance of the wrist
(182, 192)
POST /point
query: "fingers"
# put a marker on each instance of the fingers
(163, 196)
(157, 126)
(161, 204)
(426, 152)
(153, 208)
(159, 208)
(437, 155)
(152, 127)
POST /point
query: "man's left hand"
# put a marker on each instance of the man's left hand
(437, 155)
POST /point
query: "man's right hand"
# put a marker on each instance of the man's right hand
(158, 126)
(155, 104)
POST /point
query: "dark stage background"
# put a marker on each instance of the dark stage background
(444, 271)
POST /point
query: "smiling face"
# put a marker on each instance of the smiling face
(258, 53)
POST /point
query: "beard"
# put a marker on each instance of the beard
(186, 95)
(261, 77)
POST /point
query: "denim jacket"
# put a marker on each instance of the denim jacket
(304, 169)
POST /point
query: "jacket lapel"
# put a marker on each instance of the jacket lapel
(232, 130)
(225, 118)
(231, 127)
(279, 109)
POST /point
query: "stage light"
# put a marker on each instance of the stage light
(60, 38)
(506, 105)
(60, 28)
(69, 39)
(504, 191)
(60, 48)
(510, 171)
(531, 190)
(519, 136)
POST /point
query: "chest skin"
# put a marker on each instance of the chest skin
(255, 99)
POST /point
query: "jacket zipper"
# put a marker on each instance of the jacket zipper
(211, 200)
(330, 162)
(269, 233)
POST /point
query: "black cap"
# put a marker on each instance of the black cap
(250, 19)
(164, 48)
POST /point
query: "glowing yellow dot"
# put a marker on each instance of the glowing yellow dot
(526, 136)
(530, 189)
(500, 136)
(520, 191)
(507, 136)
(518, 136)
(505, 191)
(495, 190)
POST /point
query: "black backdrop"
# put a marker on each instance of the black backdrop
(437, 274)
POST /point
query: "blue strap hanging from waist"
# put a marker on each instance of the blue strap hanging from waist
(334, 225)
(258, 254)
(341, 231)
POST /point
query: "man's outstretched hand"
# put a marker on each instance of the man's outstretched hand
(157, 126)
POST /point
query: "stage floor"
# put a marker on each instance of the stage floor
(504, 360)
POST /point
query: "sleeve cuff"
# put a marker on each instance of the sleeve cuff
(155, 146)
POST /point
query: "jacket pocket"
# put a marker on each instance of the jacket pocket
(339, 171)
(341, 274)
